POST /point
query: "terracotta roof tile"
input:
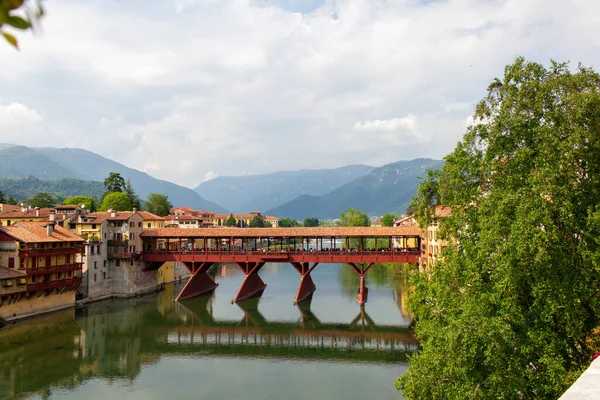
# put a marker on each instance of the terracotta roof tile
(35, 232)
(29, 213)
(285, 232)
(148, 216)
(9, 273)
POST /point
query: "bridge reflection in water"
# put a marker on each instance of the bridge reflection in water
(360, 339)
(116, 339)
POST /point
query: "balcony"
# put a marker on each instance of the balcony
(34, 287)
(49, 251)
(52, 269)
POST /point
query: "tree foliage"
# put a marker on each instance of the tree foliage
(2, 199)
(11, 201)
(135, 200)
(289, 223)
(354, 217)
(311, 221)
(158, 204)
(388, 219)
(258, 221)
(42, 200)
(509, 311)
(117, 201)
(16, 15)
(114, 183)
(231, 221)
(88, 202)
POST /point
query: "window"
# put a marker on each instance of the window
(93, 226)
(105, 263)
(117, 263)
(98, 249)
(104, 275)
(95, 278)
(33, 278)
(71, 225)
(92, 249)
(104, 235)
(48, 261)
(132, 224)
(132, 236)
(149, 225)
(8, 223)
(95, 264)
(139, 224)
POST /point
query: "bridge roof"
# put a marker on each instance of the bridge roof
(326, 232)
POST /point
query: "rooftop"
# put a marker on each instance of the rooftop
(36, 232)
(9, 273)
(326, 232)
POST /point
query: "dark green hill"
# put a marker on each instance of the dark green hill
(24, 188)
(266, 191)
(21, 161)
(389, 188)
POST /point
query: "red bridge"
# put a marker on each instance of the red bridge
(250, 248)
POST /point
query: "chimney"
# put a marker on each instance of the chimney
(113, 213)
(23, 208)
(37, 211)
(50, 228)
(52, 216)
(79, 219)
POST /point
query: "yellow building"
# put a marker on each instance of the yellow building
(41, 257)
(431, 245)
(11, 216)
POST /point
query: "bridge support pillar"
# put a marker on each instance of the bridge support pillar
(200, 282)
(307, 286)
(363, 291)
(252, 285)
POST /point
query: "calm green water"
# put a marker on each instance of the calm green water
(207, 348)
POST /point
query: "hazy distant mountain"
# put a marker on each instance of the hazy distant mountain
(266, 191)
(389, 188)
(51, 163)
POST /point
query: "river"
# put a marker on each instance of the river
(207, 348)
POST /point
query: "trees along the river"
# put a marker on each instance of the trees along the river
(311, 221)
(231, 221)
(288, 223)
(117, 201)
(258, 221)
(510, 311)
(354, 217)
(388, 219)
(88, 202)
(158, 204)
(42, 200)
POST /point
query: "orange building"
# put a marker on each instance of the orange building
(41, 268)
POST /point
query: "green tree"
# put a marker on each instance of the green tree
(42, 200)
(230, 221)
(288, 223)
(114, 183)
(2, 199)
(388, 219)
(117, 201)
(135, 200)
(354, 217)
(311, 221)
(158, 204)
(509, 311)
(258, 221)
(17, 15)
(89, 203)
(11, 201)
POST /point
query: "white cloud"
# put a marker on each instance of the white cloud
(190, 88)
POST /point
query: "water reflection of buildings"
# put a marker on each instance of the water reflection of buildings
(113, 339)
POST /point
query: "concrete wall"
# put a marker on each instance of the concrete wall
(38, 303)
(587, 386)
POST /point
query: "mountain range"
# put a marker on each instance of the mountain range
(322, 193)
(389, 188)
(50, 163)
(240, 194)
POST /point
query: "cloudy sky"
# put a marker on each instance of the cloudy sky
(190, 89)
